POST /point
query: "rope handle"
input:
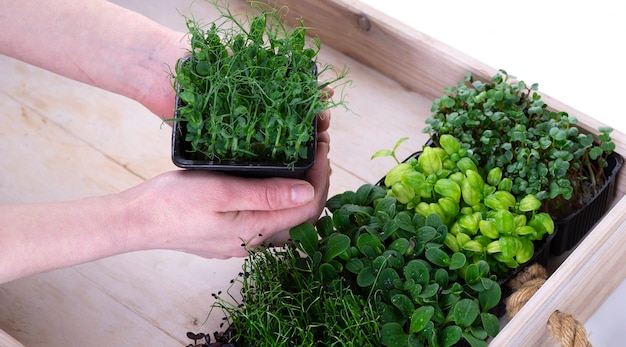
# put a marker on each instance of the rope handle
(563, 326)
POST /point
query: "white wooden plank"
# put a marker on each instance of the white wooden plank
(62, 308)
(42, 161)
(116, 126)
(8, 341)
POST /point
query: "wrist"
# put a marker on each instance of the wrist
(154, 85)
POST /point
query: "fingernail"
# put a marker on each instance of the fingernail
(302, 193)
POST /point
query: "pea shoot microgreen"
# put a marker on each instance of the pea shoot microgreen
(249, 88)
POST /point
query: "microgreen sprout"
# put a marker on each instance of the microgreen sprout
(505, 123)
(249, 88)
(390, 153)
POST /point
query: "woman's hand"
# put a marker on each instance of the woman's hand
(214, 215)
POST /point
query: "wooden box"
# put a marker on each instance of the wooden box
(154, 298)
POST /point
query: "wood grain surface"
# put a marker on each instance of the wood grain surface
(64, 140)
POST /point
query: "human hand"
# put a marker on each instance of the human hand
(213, 215)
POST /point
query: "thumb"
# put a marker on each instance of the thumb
(267, 194)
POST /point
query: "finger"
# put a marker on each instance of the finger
(262, 194)
(282, 221)
(323, 121)
(318, 175)
(323, 137)
(323, 118)
(327, 92)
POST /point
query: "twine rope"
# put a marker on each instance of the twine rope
(565, 328)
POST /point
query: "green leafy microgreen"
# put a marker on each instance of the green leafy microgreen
(420, 258)
(504, 123)
(249, 87)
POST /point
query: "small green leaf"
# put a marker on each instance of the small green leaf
(442, 277)
(392, 335)
(451, 242)
(386, 206)
(328, 272)
(509, 246)
(506, 184)
(448, 188)
(403, 193)
(354, 265)
(473, 341)
(429, 291)
(420, 318)
(415, 341)
(457, 261)
(500, 200)
(426, 233)
(494, 176)
(386, 278)
(337, 244)
(400, 245)
(525, 230)
(438, 257)
(464, 312)
(466, 164)
(469, 222)
(505, 222)
(394, 258)
(399, 142)
(449, 143)
(381, 153)
(450, 335)
(472, 273)
(187, 96)
(396, 174)
(525, 251)
(417, 181)
(367, 243)
(462, 239)
(473, 246)
(430, 161)
(472, 188)
(417, 270)
(595, 152)
(305, 237)
(494, 247)
(529, 203)
(491, 296)
(542, 222)
(490, 323)
(324, 226)
(404, 304)
(366, 277)
(483, 268)
(488, 228)
(363, 194)
(404, 222)
(608, 147)
(478, 332)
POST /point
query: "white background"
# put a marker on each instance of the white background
(574, 50)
